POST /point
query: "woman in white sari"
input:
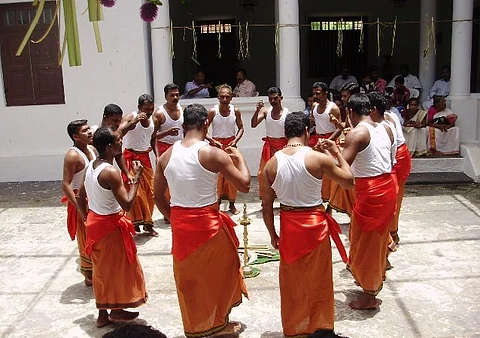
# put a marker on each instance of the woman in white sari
(415, 129)
(443, 136)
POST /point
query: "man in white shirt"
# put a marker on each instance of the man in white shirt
(339, 80)
(244, 87)
(441, 87)
(411, 81)
(196, 89)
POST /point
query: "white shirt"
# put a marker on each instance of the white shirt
(338, 81)
(411, 81)
(440, 87)
(245, 89)
(200, 95)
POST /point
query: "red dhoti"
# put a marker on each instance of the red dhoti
(76, 228)
(374, 208)
(142, 209)
(306, 282)
(206, 268)
(270, 147)
(226, 190)
(402, 170)
(118, 280)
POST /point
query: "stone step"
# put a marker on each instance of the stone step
(438, 164)
(441, 178)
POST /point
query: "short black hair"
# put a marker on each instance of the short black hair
(145, 98)
(295, 124)
(359, 104)
(378, 101)
(405, 66)
(74, 126)
(437, 99)
(351, 87)
(169, 87)
(243, 71)
(134, 330)
(413, 99)
(194, 116)
(102, 138)
(112, 109)
(321, 85)
(274, 90)
(400, 79)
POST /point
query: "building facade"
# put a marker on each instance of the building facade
(284, 43)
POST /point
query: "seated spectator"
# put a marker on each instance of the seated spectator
(380, 84)
(400, 95)
(134, 331)
(415, 128)
(339, 80)
(367, 85)
(411, 81)
(440, 87)
(392, 109)
(196, 89)
(244, 87)
(443, 136)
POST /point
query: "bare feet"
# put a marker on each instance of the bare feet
(166, 220)
(231, 330)
(122, 316)
(149, 228)
(388, 266)
(233, 209)
(88, 281)
(103, 319)
(137, 227)
(364, 302)
(395, 237)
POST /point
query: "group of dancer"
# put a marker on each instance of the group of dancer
(196, 168)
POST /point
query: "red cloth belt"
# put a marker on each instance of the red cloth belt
(302, 229)
(224, 141)
(403, 167)
(271, 146)
(131, 156)
(314, 139)
(99, 226)
(376, 201)
(193, 227)
(162, 147)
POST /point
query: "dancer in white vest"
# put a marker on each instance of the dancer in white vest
(227, 130)
(76, 160)
(138, 130)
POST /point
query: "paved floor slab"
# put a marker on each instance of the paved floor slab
(433, 290)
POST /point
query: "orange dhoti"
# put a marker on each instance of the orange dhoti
(142, 209)
(226, 190)
(375, 206)
(76, 228)
(270, 147)
(306, 282)
(402, 170)
(206, 268)
(341, 199)
(118, 280)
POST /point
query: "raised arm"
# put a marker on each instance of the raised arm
(129, 122)
(259, 115)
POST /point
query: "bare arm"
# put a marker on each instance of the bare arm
(268, 196)
(70, 164)
(335, 115)
(82, 206)
(356, 140)
(211, 116)
(241, 130)
(110, 178)
(258, 116)
(160, 184)
(129, 122)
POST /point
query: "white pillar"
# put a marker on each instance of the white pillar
(288, 58)
(162, 62)
(461, 48)
(428, 9)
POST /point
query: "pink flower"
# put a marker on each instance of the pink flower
(148, 11)
(108, 3)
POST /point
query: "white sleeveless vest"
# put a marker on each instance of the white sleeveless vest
(171, 123)
(276, 128)
(224, 126)
(77, 178)
(139, 138)
(323, 125)
(100, 200)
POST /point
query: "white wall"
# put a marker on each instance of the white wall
(34, 138)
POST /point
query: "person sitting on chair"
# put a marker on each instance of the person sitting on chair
(415, 128)
(443, 135)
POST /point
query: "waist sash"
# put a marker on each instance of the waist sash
(404, 163)
(271, 146)
(193, 227)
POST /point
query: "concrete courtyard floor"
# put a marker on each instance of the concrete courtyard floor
(432, 291)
